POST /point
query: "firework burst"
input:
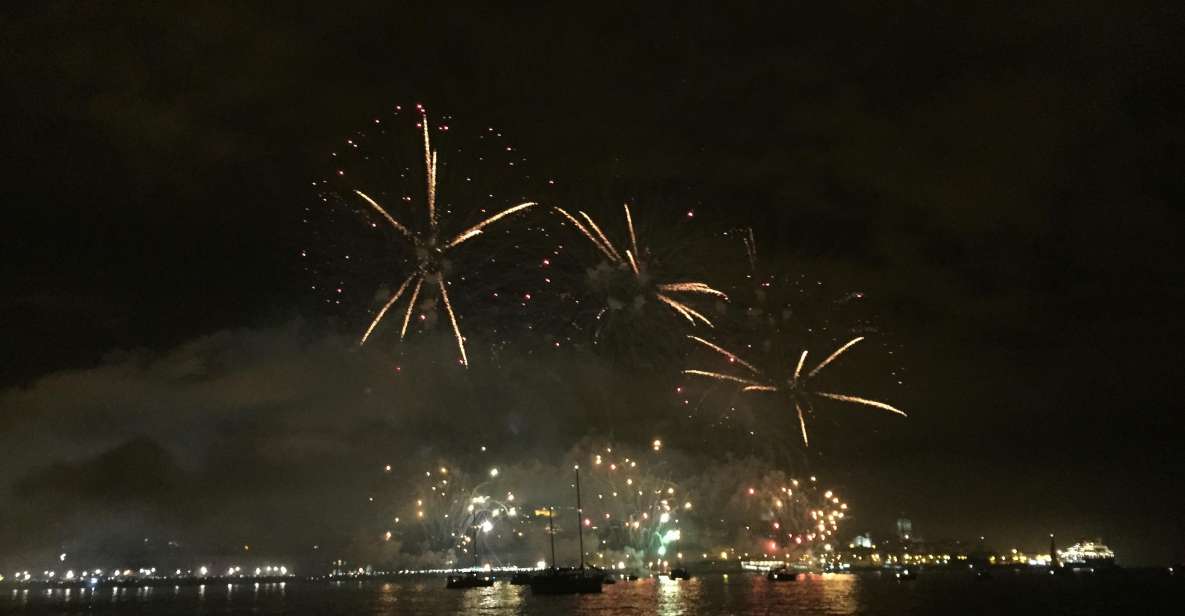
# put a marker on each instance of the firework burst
(633, 264)
(632, 505)
(795, 300)
(443, 508)
(430, 248)
(783, 514)
(798, 387)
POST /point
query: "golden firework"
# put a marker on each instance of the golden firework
(797, 386)
(430, 248)
(634, 263)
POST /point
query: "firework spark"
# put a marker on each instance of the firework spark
(788, 514)
(632, 505)
(438, 512)
(633, 262)
(430, 248)
(796, 386)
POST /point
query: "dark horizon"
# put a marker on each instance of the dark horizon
(1002, 188)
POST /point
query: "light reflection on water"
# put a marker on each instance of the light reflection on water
(670, 596)
(831, 594)
(837, 591)
(500, 597)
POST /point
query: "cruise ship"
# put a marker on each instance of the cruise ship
(1086, 555)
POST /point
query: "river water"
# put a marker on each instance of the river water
(1122, 593)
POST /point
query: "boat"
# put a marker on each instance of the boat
(471, 579)
(609, 579)
(633, 577)
(1086, 556)
(556, 581)
(679, 573)
(522, 578)
(906, 574)
(781, 574)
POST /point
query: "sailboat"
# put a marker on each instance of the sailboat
(556, 581)
(471, 579)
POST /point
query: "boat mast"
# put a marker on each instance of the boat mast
(551, 533)
(579, 518)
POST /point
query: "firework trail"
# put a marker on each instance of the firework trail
(750, 242)
(798, 386)
(635, 263)
(430, 248)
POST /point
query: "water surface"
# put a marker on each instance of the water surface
(1124, 593)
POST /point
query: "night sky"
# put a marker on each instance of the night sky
(1002, 184)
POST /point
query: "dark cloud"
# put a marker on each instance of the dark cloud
(271, 437)
(134, 471)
